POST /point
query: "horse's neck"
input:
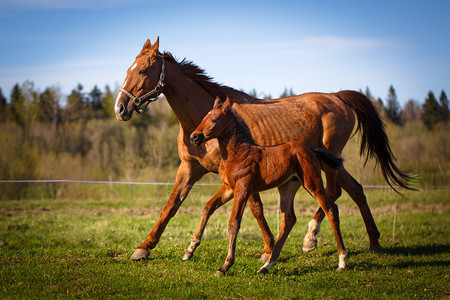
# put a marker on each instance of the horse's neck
(189, 101)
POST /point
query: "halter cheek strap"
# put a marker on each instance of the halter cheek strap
(153, 94)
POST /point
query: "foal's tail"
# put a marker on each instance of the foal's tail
(374, 141)
(326, 156)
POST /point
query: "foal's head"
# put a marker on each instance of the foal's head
(214, 123)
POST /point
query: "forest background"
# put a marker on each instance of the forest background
(46, 135)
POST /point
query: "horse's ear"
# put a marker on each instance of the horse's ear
(155, 46)
(147, 46)
(226, 105)
(216, 102)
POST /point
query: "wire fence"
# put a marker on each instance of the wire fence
(172, 183)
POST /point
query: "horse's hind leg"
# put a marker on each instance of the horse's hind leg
(288, 220)
(223, 195)
(355, 190)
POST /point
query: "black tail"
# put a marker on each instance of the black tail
(374, 141)
(328, 158)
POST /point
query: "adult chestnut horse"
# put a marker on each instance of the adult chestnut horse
(312, 119)
(247, 168)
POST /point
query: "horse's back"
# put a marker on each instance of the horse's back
(303, 118)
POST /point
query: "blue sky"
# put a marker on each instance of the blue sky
(308, 46)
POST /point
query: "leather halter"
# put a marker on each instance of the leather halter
(153, 94)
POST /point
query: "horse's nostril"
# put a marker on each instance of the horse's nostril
(121, 108)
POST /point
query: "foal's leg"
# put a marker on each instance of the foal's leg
(257, 209)
(223, 195)
(333, 191)
(356, 192)
(288, 220)
(332, 213)
(241, 195)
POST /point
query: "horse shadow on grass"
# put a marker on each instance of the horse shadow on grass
(409, 258)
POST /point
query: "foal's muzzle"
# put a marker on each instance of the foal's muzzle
(197, 138)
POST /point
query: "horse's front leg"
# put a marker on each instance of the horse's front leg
(223, 195)
(241, 195)
(188, 173)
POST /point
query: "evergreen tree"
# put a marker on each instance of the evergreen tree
(3, 107)
(393, 107)
(49, 105)
(17, 105)
(431, 111)
(287, 93)
(76, 104)
(443, 101)
(107, 103)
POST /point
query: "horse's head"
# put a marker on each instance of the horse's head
(214, 123)
(143, 84)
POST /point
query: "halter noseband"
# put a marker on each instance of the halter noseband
(153, 94)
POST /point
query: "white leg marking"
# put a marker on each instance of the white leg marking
(310, 240)
(342, 261)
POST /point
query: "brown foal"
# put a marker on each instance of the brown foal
(247, 168)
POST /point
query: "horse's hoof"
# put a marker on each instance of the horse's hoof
(140, 254)
(263, 271)
(265, 257)
(375, 249)
(219, 273)
(339, 269)
(309, 244)
(187, 256)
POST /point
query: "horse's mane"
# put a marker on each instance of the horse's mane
(199, 75)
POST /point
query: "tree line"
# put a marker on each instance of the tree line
(48, 135)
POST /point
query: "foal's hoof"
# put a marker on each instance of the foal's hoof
(219, 273)
(265, 257)
(339, 269)
(263, 271)
(187, 256)
(309, 244)
(140, 254)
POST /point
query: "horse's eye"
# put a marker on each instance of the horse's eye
(142, 71)
(214, 120)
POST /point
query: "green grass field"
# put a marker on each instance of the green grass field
(80, 248)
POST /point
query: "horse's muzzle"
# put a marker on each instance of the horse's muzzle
(197, 138)
(122, 113)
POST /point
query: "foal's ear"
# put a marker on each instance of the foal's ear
(226, 105)
(217, 102)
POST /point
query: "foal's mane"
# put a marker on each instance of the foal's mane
(199, 75)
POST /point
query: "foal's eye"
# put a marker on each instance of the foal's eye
(214, 120)
(142, 71)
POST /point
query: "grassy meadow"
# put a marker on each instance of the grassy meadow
(80, 248)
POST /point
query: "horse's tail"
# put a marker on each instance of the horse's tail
(326, 156)
(374, 141)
